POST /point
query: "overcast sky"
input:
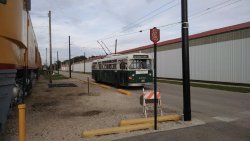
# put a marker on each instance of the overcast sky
(87, 21)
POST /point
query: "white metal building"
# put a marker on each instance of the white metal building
(220, 55)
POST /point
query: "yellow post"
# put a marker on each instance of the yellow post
(21, 108)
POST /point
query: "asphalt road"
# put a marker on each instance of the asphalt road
(226, 114)
(238, 130)
(206, 104)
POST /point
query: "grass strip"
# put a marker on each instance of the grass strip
(56, 77)
(211, 86)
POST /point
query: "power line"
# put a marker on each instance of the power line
(138, 23)
(176, 23)
(148, 14)
(213, 8)
(129, 26)
(167, 26)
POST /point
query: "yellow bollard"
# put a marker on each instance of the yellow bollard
(21, 108)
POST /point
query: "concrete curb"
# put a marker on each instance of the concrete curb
(124, 92)
(149, 120)
(114, 130)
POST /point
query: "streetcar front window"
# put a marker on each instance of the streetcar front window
(140, 64)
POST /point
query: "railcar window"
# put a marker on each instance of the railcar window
(123, 65)
(100, 65)
(140, 64)
(3, 1)
(94, 66)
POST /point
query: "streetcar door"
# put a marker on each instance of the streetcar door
(123, 73)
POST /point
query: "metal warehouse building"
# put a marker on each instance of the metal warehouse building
(220, 55)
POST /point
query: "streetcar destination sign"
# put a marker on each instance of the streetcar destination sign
(154, 35)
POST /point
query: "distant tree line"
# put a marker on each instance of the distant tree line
(77, 59)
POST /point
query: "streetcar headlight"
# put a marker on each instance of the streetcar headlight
(149, 74)
(16, 90)
(133, 75)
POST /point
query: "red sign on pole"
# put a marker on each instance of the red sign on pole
(155, 35)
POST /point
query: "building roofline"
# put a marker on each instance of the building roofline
(194, 36)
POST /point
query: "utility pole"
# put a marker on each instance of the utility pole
(115, 45)
(69, 60)
(57, 63)
(50, 50)
(185, 62)
(46, 58)
(84, 62)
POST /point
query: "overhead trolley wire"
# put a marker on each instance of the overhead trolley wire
(214, 8)
(138, 20)
(193, 16)
(144, 18)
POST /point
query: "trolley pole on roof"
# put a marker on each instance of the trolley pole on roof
(185, 62)
(50, 50)
(106, 47)
(69, 60)
(102, 47)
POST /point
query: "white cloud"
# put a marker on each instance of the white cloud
(87, 21)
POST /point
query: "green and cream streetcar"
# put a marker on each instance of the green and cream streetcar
(124, 70)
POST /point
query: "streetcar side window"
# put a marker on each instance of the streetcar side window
(94, 66)
(140, 64)
(100, 65)
(123, 65)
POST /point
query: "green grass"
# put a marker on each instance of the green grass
(56, 77)
(212, 86)
(82, 72)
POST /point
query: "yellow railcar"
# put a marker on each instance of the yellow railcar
(19, 54)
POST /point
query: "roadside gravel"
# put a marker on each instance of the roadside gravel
(62, 113)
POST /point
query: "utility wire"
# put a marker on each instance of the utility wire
(138, 23)
(214, 8)
(195, 15)
(148, 14)
(129, 26)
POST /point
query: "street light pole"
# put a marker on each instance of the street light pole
(50, 50)
(69, 60)
(185, 62)
(115, 45)
(57, 63)
(84, 62)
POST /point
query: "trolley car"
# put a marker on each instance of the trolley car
(124, 70)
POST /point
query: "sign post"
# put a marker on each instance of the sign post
(155, 37)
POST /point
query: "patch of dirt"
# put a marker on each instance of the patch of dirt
(70, 94)
(47, 90)
(43, 105)
(90, 94)
(80, 114)
(82, 94)
(63, 85)
(91, 113)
